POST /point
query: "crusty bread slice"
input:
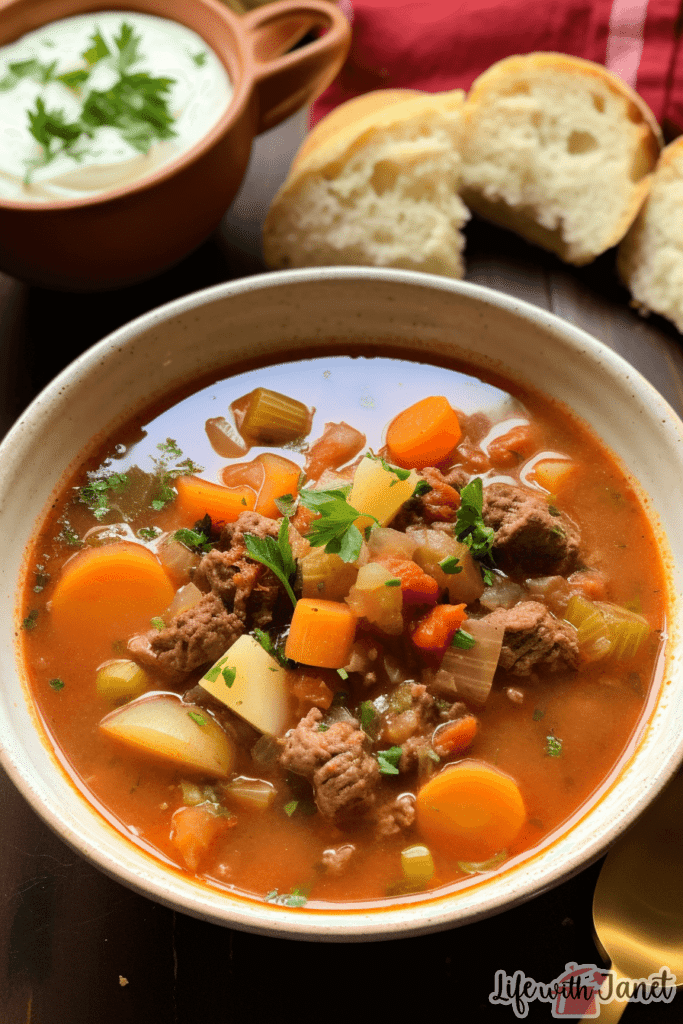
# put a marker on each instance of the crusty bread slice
(558, 149)
(376, 183)
(650, 258)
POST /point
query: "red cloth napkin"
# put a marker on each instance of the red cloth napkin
(444, 44)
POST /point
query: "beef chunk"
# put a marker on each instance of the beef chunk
(438, 505)
(239, 594)
(335, 858)
(343, 774)
(395, 815)
(529, 539)
(533, 636)
(195, 637)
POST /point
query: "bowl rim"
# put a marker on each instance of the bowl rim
(242, 88)
(148, 875)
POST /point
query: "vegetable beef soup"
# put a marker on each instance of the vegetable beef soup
(345, 629)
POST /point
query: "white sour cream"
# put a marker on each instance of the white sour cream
(198, 97)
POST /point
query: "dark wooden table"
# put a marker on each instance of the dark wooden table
(68, 935)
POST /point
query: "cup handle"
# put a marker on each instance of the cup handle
(285, 81)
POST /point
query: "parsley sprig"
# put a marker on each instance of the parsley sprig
(335, 529)
(136, 105)
(470, 528)
(96, 493)
(275, 554)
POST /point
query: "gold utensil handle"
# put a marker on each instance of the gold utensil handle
(611, 1012)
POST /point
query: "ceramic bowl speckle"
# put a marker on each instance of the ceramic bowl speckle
(134, 231)
(280, 313)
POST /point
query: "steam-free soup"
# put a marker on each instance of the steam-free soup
(346, 629)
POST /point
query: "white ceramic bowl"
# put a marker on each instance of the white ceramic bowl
(278, 313)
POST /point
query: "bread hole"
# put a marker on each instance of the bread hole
(635, 114)
(598, 102)
(382, 237)
(581, 142)
(384, 176)
(519, 89)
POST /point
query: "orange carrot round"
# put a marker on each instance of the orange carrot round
(107, 594)
(194, 832)
(271, 476)
(424, 434)
(455, 737)
(435, 631)
(197, 497)
(470, 810)
(321, 633)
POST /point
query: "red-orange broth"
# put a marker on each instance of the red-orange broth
(559, 734)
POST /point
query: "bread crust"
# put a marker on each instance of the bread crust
(511, 77)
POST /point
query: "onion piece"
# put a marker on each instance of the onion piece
(503, 593)
(468, 674)
(417, 863)
(387, 543)
(252, 794)
(185, 598)
(177, 559)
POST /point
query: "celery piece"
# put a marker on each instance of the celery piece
(272, 418)
(417, 863)
(472, 868)
(120, 680)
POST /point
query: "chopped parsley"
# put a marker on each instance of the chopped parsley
(229, 674)
(196, 717)
(298, 897)
(148, 532)
(275, 651)
(388, 760)
(343, 674)
(335, 529)
(199, 58)
(400, 474)
(42, 579)
(450, 566)
(135, 104)
(421, 488)
(56, 684)
(470, 528)
(195, 540)
(291, 807)
(30, 621)
(275, 554)
(538, 714)
(96, 493)
(369, 719)
(553, 746)
(169, 465)
(393, 582)
(158, 622)
(463, 640)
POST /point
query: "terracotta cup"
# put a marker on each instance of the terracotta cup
(129, 233)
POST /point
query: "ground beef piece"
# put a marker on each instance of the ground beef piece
(438, 505)
(335, 859)
(533, 636)
(343, 774)
(457, 477)
(199, 635)
(530, 540)
(232, 535)
(394, 816)
(412, 728)
(248, 588)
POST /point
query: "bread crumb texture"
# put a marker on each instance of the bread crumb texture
(650, 259)
(382, 191)
(559, 150)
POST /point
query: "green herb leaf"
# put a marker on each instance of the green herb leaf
(195, 540)
(421, 488)
(97, 51)
(158, 622)
(335, 530)
(537, 715)
(196, 717)
(275, 554)
(394, 582)
(127, 44)
(553, 746)
(56, 684)
(229, 673)
(30, 621)
(95, 494)
(400, 474)
(470, 528)
(450, 565)
(342, 673)
(148, 532)
(369, 718)
(291, 807)
(463, 640)
(388, 760)
(200, 58)
(74, 79)
(286, 504)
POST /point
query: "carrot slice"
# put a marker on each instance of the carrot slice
(435, 631)
(270, 475)
(195, 830)
(455, 737)
(107, 594)
(197, 497)
(470, 810)
(321, 633)
(338, 444)
(424, 434)
(417, 587)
